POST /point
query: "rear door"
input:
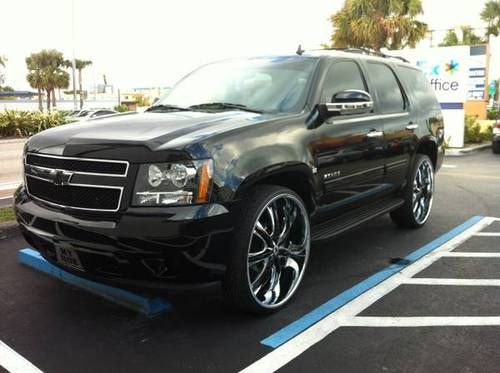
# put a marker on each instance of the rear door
(393, 107)
(348, 149)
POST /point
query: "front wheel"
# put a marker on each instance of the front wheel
(270, 250)
(418, 195)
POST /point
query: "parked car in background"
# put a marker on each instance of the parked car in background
(235, 172)
(91, 113)
(496, 137)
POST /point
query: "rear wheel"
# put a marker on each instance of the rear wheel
(270, 250)
(418, 195)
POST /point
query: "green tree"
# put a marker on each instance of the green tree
(45, 73)
(378, 23)
(468, 37)
(2, 61)
(491, 15)
(450, 39)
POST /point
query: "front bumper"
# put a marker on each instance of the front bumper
(141, 247)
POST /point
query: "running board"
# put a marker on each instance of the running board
(351, 219)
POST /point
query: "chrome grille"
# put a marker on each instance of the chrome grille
(80, 165)
(49, 179)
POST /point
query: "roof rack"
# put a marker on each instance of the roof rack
(361, 50)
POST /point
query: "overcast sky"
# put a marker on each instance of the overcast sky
(153, 42)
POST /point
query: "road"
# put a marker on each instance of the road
(56, 326)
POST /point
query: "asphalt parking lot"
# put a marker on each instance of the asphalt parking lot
(438, 313)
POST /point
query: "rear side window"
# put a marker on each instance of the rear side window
(389, 93)
(341, 76)
(419, 86)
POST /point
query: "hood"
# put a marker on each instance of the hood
(154, 131)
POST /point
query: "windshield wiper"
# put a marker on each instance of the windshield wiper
(162, 107)
(224, 105)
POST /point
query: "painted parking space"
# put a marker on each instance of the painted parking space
(361, 312)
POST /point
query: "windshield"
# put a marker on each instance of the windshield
(269, 84)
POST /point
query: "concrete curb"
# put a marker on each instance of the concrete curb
(466, 151)
(150, 307)
(8, 226)
(13, 140)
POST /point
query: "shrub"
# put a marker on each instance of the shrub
(493, 113)
(26, 123)
(122, 108)
(473, 133)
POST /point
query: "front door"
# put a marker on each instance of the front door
(348, 149)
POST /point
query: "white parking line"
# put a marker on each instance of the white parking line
(303, 341)
(449, 166)
(471, 255)
(488, 234)
(418, 321)
(15, 363)
(452, 281)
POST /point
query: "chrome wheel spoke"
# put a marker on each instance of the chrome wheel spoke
(259, 256)
(289, 216)
(263, 235)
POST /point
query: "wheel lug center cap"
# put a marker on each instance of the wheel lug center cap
(276, 250)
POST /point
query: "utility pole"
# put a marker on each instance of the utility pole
(73, 62)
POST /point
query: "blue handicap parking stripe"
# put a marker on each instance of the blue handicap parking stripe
(148, 306)
(298, 326)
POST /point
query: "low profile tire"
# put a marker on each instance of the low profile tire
(418, 195)
(496, 147)
(270, 250)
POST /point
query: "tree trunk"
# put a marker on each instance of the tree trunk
(48, 99)
(54, 105)
(40, 103)
(80, 87)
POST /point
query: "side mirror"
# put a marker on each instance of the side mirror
(348, 102)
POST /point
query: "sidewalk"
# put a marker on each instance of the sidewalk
(11, 151)
(467, 149)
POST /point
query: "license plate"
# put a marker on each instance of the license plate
(68, 258)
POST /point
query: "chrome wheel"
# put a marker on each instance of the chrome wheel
(423, 190)
(278, 251)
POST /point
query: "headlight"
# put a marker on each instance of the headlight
(161, 184)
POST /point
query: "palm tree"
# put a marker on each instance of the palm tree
(61, 80)
(45, 73)
(79, 66)
(35, 78)
(491, 15)
(378, 23)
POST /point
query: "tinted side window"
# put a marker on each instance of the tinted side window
(389, 94)
(341, 76)
(419, 86)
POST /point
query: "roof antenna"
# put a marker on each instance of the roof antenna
(300, 50)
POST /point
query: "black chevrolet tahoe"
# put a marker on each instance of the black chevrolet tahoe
(234, 173)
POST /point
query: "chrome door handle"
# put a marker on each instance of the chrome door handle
(373, 134)
(412, 126)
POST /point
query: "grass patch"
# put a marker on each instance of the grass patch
(7, 214)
